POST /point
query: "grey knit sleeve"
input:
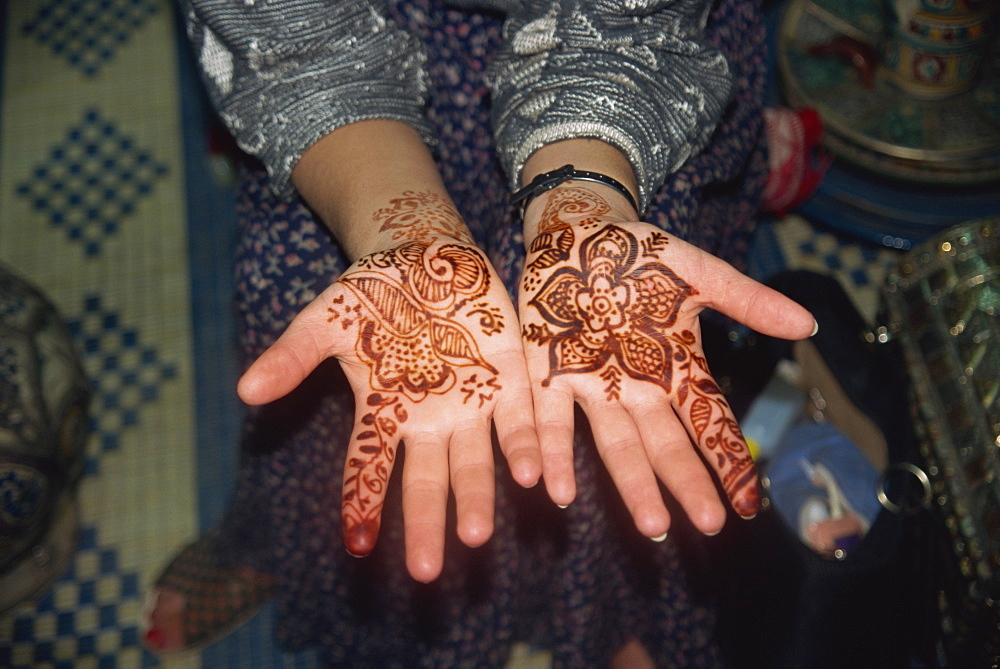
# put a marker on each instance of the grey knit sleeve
(283, 74)
(634, 73)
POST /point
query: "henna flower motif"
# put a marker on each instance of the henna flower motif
(612, 307)
(602, 303)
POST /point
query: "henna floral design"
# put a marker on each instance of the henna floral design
(412, 337)
(565, 208)
(612, 308)
(614, 311)
(569, 206)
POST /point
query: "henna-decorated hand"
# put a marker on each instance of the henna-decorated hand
(609, 310)
(428, 339)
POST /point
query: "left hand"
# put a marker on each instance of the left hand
(609, 310)
(426, 335)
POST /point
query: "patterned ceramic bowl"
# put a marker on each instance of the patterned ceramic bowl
(43, 431)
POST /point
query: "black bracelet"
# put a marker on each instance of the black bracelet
(549, 180)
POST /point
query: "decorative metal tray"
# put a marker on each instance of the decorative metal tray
(955, 140)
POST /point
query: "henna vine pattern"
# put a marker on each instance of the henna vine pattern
(714, 425)
(412, 338)
(655, 244)
(369, 473)
(421, 215)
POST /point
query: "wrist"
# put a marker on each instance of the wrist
(375, 185)
(576, 201)
(417, 216)
(572, 204)
(591, 155)
(549, 180)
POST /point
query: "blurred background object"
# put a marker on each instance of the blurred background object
(909, 94)
(43, 433)
(943, 305)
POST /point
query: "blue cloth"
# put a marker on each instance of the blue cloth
(821, 443)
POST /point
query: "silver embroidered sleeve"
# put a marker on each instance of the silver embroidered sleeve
(635, 74)
(283, 74)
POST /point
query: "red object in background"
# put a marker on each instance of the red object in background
(858, 54)
(796, 159)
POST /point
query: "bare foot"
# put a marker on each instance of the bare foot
(197, 601)
(163, 621)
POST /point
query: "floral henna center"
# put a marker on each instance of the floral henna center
(412, 337)
(614, 306)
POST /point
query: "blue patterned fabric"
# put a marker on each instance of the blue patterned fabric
(579, 581)
(88, 608)
(130, 372)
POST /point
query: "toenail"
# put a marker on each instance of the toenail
(155, 638)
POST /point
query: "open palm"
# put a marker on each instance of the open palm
(427, 337)
(609, 311)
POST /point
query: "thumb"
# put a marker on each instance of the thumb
(310, 338)
(755, 305)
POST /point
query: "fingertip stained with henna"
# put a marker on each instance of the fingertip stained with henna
(748, 503)
(360, 538)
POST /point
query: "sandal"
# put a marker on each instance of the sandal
(211, 598)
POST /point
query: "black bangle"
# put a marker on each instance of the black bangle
(549, 180)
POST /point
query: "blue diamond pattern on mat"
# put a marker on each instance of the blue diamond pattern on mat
(124, 373)
(87, 32)
(91, 181)
(860, 266)
(88, 618)
(859, 277)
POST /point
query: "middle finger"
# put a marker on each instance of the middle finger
(620, 445)
(425, 499)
